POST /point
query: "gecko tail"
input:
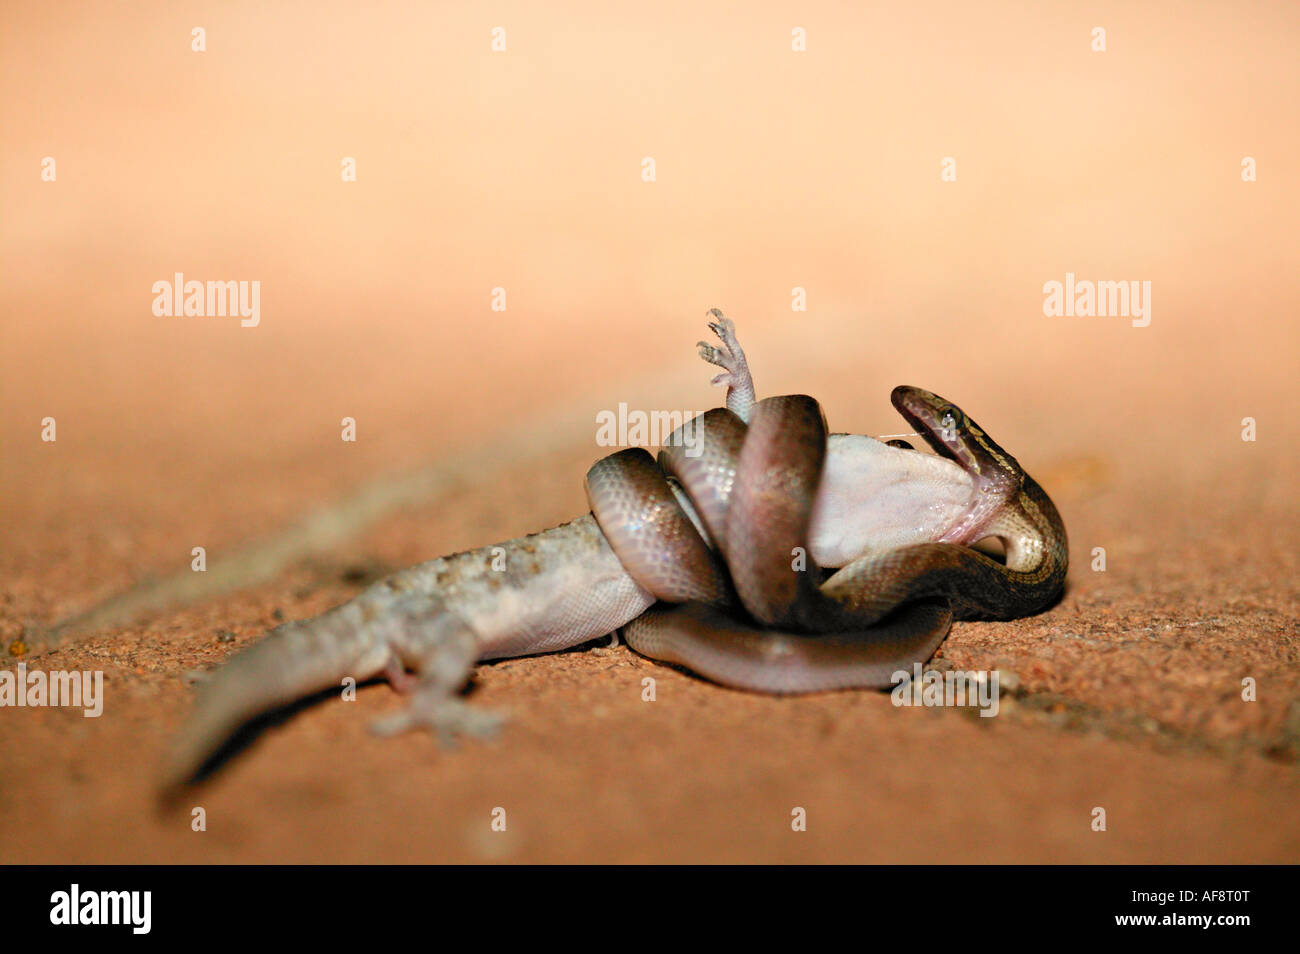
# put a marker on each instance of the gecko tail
(294, 660)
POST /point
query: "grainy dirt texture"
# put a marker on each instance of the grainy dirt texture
(523, 170)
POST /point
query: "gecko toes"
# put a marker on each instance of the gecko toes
(449, 719)
(722, 357)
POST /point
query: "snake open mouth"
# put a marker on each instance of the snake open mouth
(952, 434)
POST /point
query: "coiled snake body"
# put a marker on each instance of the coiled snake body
(755, 610)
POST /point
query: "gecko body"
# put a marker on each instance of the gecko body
(425, 627)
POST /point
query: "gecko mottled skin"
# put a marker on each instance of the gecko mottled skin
(718, 536)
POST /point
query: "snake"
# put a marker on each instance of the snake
(741, 601)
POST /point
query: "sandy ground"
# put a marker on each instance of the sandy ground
(522, 170)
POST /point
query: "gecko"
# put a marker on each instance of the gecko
(782, 558)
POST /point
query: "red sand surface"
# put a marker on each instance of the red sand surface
(522, 170)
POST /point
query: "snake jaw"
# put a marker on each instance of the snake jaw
(952, 434)
(950, 431)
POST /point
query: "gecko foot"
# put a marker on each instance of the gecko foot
(731, 358)
(724, 357)
(449, 719)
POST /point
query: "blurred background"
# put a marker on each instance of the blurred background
(521, 169)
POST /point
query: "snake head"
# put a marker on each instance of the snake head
(952, 434)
